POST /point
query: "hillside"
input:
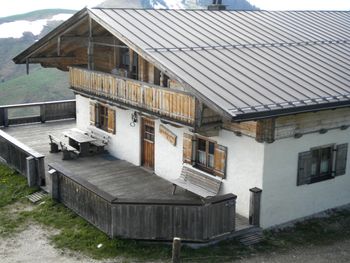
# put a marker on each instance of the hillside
(20, 31)
(41, 84)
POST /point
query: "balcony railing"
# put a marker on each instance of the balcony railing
(172, 104)
(36, 112)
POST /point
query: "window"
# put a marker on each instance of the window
(205, 154)
(102, 117)
(322, 163)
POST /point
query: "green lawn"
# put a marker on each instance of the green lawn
(78, 235)
(39, 85)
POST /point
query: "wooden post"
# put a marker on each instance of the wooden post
(40, 166)
(2, 119)
(43, 113)
(5, 116)
(176, 250)
(131, 63)
(254, 208)
(90, 49)
(31, 171)
(54, 184)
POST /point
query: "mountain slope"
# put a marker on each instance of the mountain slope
(42, 84)
(51, 84)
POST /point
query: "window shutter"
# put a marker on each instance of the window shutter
(92, 113)
(187, 148)
(341, 158)
(304, 168)
(220, 156)
(111, 120)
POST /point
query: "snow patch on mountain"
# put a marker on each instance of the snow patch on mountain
(17, 28)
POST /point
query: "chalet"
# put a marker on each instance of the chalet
(250, 103)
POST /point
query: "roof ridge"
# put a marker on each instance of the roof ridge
(227, 10)
(249, 45)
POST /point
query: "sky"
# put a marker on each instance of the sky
(11, 7)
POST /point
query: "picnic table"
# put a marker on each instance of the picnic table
(79, 140)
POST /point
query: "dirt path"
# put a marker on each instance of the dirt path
(33, 246)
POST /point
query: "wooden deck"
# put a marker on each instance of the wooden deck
(119, 179)
(116, 177)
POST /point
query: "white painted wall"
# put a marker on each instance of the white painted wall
(83, 112)
(168, 158)
(125, 144)
(245, 160)
(282, 200)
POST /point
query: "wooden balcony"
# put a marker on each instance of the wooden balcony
(164, 102)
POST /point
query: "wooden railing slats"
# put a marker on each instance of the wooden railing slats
(163, 101)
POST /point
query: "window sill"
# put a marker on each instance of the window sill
(321, 178)
(203, 169)
(101, 130)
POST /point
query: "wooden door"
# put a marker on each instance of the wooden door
(148, 143)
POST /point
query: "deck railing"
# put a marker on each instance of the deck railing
(173, 104)
(23, 159)
(198, 221)
(36, 112)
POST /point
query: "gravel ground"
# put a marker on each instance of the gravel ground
(32, 245)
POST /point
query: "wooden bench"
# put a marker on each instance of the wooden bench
(197, 182)
(54, 144)
(100, 141)
(69, 152)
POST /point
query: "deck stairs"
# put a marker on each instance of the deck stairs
(37, 196)
(251, 236)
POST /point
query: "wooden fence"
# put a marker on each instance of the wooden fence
(36, 112)
(23, 159)
(198, 221)
(173, 104)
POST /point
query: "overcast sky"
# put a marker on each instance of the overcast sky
(11, 7)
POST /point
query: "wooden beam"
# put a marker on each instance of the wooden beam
(265, 130)
(59, 46)
(90, 50)
(57, 59)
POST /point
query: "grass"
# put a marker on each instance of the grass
(40, 85)
(13, 188)
(78, 235)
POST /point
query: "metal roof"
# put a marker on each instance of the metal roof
(247, 64)
(246, 61)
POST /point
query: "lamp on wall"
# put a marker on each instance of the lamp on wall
(133, 119)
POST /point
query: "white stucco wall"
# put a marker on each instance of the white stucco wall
(168, 158)
(125, 144)
(83, 112)
(245, 159)
(282, 199)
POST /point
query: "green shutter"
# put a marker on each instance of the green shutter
(304, 168)
(341, 158)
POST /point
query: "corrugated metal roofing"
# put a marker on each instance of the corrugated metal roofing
(246, 61)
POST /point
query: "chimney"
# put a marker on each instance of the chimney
(217, 5)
